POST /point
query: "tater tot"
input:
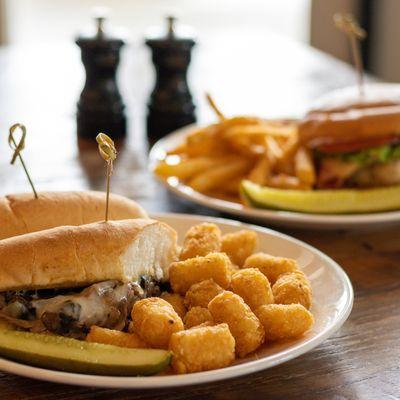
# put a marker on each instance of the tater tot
(245, 327)
(253, 287)
(207, 323)
(183, 274)
(301, 276)
(284, 321)
(176, 301)
(233, 268)
(239, 245)
(155, 320)
(202, 349)
(200, 294)
(271, 266)
(201, 240)
(197, 316)
(116, 338)
(291, 288)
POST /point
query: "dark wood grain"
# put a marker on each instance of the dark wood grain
(39, 86)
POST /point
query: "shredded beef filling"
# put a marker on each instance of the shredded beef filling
(72, 312)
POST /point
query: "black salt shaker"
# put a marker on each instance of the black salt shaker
(170, 105)
(100, 106)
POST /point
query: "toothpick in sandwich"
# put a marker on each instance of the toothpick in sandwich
(109, 154)
(18, 147)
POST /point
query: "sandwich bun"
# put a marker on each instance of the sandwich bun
(74, 256)
(22, 213)
(344, 117)
(353, 124)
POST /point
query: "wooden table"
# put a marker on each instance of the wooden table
(39, 87)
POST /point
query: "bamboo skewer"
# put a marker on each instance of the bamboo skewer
(109, 154)
(18, 149)
(349, 25)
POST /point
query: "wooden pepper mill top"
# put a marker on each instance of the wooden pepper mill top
(170, 105)
(100, 106)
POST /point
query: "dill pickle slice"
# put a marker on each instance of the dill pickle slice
(71, 355)
(340, 201)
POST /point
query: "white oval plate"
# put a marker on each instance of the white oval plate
(333, 300)
(274, 217)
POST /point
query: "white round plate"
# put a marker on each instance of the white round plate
(333, 300)
(259, 215)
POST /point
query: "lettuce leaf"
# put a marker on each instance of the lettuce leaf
(382, 154)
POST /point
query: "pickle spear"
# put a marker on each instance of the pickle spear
(340, 201)
(71, 355)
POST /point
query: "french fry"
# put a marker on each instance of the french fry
(216, 177)
(283, 181)
(261, 130)
(186, 168)
(289, 149)
(255, 131)
(261, 171)
(240, 120)
(232, 186)
(116, 338)
(248, 140)
(285, 162)
(204, 142)
(214, 106)
(274, 149)
(216, 158)
(304, 166)
(280, 129)
(246, 145)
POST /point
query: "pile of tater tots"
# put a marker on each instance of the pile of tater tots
(225, 302)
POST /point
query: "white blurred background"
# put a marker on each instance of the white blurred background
(29, 21)
(24, 22)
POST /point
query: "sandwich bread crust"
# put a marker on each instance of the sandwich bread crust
(320, 128)
(22, 213)
(74, 256)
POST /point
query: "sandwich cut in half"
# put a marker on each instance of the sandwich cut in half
(355, 145)
(66, 279)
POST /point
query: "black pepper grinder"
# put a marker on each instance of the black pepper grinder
(170, 105)
(100, 106)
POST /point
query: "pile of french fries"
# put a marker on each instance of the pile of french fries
(214, 159)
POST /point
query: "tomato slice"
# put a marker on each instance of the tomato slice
(356, 145)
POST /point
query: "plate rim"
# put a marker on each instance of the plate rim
(275, 216)
(157, 382)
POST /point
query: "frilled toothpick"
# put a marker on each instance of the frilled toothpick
(109, 154)
(18, 149)
(349, 25)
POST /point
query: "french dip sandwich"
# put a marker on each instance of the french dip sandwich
(22, 213)
(66, 279)
(355, 145)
